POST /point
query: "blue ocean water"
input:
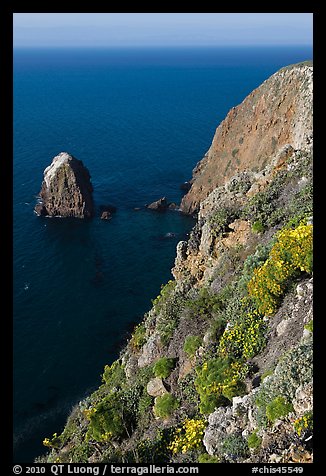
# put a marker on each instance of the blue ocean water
(140, 119)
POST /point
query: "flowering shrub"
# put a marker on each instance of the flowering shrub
(54, 442)
(218, 380)
(106, 419)
(304, 423)
(188, 437)
(245, 338)
(290, 254)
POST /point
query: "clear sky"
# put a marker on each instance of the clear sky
(161, 29)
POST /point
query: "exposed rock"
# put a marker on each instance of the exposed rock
(107, 211)
(185, 368)
(159, 205)
(219, 424)
(283, 326)
(150, 350)
(66, 189)
(303, 401)
(156, 387)
(277, 113)
(185, 186)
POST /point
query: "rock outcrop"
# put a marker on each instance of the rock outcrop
(278, 112)
(159, 205)
(66, 189)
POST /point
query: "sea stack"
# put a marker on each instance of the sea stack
(66, 189)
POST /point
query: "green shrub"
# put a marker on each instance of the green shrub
(167, 307)
(143, 411)
(191, 345)
(217, 328)
(205, 304)
(188, 393)
(206, 458)
(166, 290)
(218, 381)
(258, 227)
(254, 441)
(278, 408)
(165, 405)
(154, 449)
(310, 326)
(235, 446)
(163, 367)
(114, 375)
(138, 338)
(221, 219)
(106, 419)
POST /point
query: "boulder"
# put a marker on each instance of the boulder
(156, 387)
(66, 189)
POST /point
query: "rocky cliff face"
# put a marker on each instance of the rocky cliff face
(220, 369)
(66, 189)
(278, 112)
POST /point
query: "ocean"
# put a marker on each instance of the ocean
(140, 120)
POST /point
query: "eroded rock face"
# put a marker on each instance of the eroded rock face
(278, 112)
(66, 189)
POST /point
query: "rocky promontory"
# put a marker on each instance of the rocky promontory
(277, 113)
(66, 189)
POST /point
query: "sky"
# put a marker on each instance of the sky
(161, 29)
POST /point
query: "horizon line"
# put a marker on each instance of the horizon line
(240, 45)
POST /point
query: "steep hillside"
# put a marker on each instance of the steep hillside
(220, 369)
(279, 112)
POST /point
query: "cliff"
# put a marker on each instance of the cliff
(278, 112)
(220, 369)
(66, 190)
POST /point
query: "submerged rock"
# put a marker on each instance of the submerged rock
(107, 211)
(66, 189)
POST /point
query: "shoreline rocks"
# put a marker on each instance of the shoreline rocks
(162, 205)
